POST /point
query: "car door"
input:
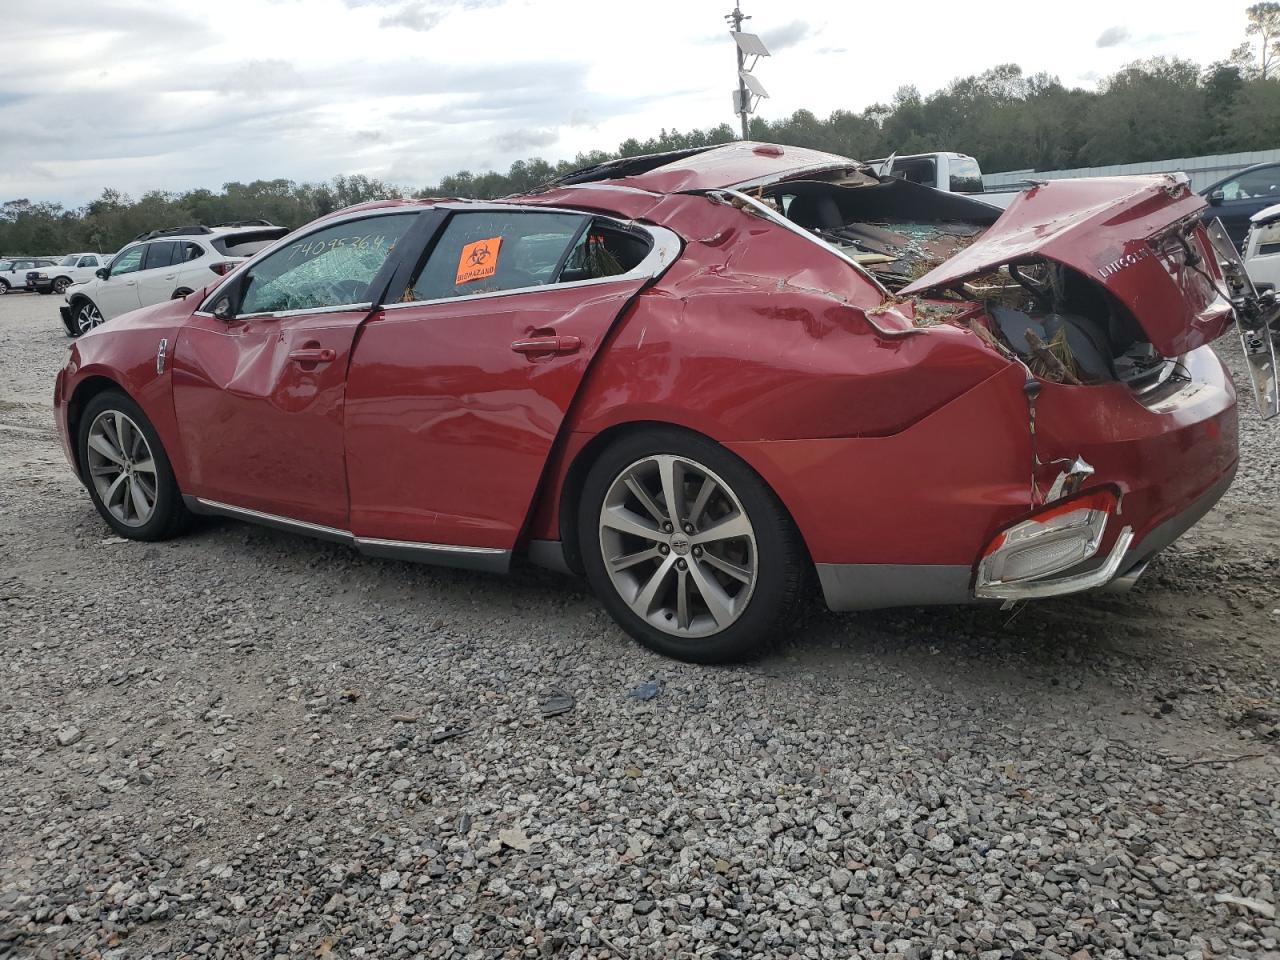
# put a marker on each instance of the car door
(457, 392)
(1243, 196)
(118, 293)
(84, 269)
(259, 394)
(156, 279)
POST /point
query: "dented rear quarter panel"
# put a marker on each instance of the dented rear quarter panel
(760, 341)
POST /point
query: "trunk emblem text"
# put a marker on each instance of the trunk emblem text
(1128, 260)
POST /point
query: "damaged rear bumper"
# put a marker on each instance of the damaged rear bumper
(865, 586)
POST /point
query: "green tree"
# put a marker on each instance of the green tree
(1264, 23)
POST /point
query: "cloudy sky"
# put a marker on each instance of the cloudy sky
(149, 95)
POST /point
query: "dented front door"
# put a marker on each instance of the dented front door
(259, 404)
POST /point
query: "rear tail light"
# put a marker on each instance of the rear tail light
(222, 269)
(1056, 538)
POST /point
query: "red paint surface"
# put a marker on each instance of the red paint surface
(888, 444)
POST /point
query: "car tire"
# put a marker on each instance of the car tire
(85, 315)
(126, 470)
(679, 589)
(60, 285)
(181, 292)
(4, 287)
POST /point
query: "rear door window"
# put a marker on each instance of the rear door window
(160, 253)
(494, 250)
(966, 175)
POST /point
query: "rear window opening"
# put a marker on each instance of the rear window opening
(1064, 326)
(897, 230)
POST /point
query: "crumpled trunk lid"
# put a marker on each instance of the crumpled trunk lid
(1139, 237)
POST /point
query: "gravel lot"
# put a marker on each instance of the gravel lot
(248, 744)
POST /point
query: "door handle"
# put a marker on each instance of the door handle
(312, 355)
(170, 276)
(547, 345)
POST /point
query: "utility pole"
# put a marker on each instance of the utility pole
(748, 45)
(736, 19)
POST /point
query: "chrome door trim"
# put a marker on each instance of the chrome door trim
(492, 559)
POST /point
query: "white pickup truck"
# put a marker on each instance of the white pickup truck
(951, 172)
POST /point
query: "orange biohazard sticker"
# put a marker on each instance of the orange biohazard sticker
(478, 261)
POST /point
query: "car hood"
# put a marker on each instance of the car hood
(1121, 232)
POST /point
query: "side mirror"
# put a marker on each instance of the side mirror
(1216, 198)
(222, 309)
(102, 273)
(228, 303)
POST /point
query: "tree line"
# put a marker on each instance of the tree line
(1150, 110)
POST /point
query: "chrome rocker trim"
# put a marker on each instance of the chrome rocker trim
(488, 559)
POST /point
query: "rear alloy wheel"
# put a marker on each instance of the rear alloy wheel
(689, 550)
(126, 470)
(60, 285)
(86, 316)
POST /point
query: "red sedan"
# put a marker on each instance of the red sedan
(695, 378)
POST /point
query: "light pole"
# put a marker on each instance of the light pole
(748, 45)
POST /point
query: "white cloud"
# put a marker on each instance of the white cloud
(1112, 37)
(139, 96)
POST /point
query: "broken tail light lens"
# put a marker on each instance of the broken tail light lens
(1055, 539)
(222, 269)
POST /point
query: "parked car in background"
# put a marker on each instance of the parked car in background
(695, 378)
(163, 265)
(73, 268)
(947, 171)
(1262, 248)
(13, 272)
(1236, 198)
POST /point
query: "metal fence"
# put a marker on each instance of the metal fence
(1202, 170)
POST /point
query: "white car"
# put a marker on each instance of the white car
(163, 265)
(14, 270)
(73, 268)
(1262, 248)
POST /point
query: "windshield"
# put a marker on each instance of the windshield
(69, 260)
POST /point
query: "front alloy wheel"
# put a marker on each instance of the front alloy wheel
(87, 316)
(126, 470)
(122, 468)
(688, 549)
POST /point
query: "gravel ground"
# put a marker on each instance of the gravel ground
(248, 744)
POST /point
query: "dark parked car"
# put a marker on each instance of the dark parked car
(1236, 198)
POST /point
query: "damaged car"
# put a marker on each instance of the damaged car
(699, 379)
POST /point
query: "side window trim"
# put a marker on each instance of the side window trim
(664, 252)
(205, 309)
